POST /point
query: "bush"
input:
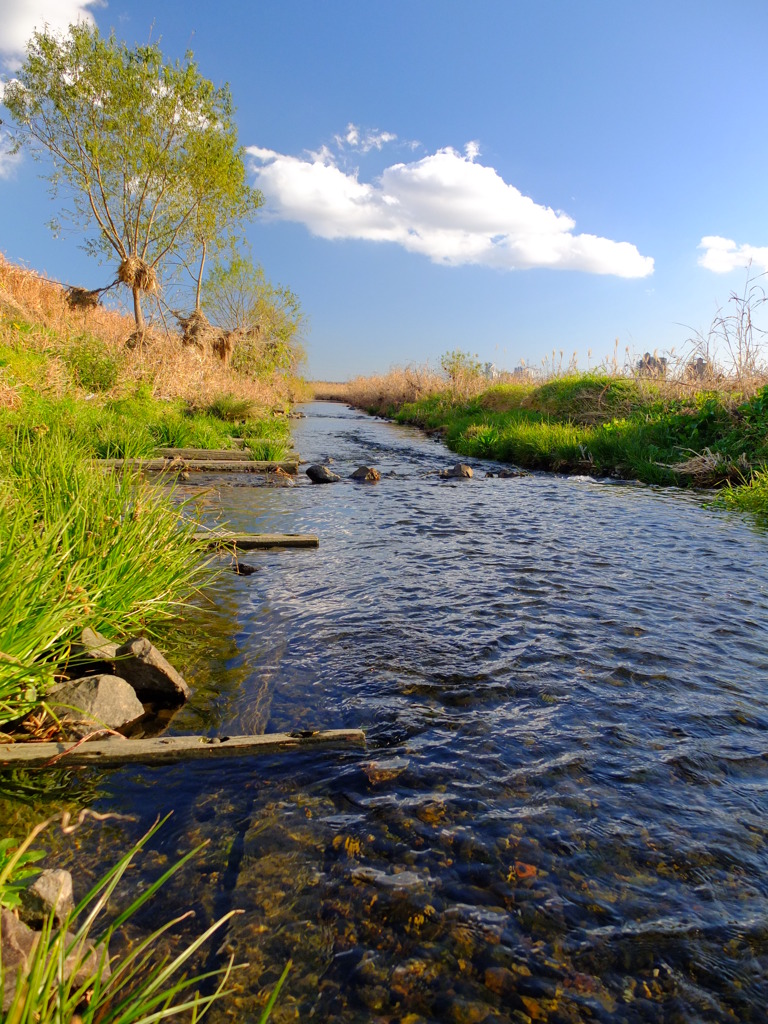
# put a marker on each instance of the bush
(91, 364)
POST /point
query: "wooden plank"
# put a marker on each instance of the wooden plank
(216, 454)
(256, 541)
(223, 454)
(209, 465)
(168, 749)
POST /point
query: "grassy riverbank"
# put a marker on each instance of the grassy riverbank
(77, 546)
(711, 433)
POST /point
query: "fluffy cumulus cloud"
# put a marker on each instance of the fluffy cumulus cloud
(20, 18)
(447, 206)
(722, 255)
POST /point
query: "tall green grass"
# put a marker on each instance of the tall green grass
(79, 546)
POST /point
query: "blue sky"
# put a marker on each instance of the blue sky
(504, 177)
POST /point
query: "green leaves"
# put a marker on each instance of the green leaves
(15, 871)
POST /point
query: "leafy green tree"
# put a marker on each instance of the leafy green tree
(146, 151)
(267, 318)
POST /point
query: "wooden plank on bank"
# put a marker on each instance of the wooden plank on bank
(256, 541)
(167, 749)
(209, 465)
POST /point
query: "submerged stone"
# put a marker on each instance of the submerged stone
(322, 475)
(457, 472)
(367, 474)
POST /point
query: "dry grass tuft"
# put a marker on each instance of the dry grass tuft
(196, 329)
(134, 272)
(711, 469)
(82, 298)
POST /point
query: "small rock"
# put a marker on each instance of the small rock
(97, 646)
(322, 475)
(457, 472)
(96, 702)
(507, 473)
(18, 943)
(51, 891)
(243, 569)
(366, 474)
(93, 655)
(151, 676)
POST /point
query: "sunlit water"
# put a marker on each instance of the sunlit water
(561, 814)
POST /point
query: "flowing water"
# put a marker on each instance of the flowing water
(561, 814)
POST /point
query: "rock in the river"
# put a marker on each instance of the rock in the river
(366, 474)
(18, 943)
(506, 473)
(93, 702)
(322, 475)
(244, 569)
(151, 676)
(458, 472)
(51, 891)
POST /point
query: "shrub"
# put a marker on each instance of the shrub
(92, 365)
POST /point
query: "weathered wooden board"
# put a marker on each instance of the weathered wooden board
(209, 465)
(167, 749)
(223, 454)
(255, 541)
(216, 454)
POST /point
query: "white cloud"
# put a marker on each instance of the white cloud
(447, 206)
(721, 255)
(8, 159)
(363, 141)
(19, 19)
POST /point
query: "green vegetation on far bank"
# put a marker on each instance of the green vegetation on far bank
(652, 430)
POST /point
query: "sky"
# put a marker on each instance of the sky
(512, 178)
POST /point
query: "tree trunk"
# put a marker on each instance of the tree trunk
(200, 278)
(138, 315)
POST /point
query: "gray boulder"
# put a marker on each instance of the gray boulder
(51, 891)
(93, 702)
(150, 675)
(367, 474)
(458, 472)
(322, 475)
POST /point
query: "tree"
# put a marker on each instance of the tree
(147, 150)
(266, 318)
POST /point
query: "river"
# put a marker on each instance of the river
(562, 811)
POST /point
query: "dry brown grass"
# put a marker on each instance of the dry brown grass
(38, 310)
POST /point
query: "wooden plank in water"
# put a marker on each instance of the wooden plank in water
(256, 541)
(216, 454)
(209, 465)
(167, 749)
(222, 454)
